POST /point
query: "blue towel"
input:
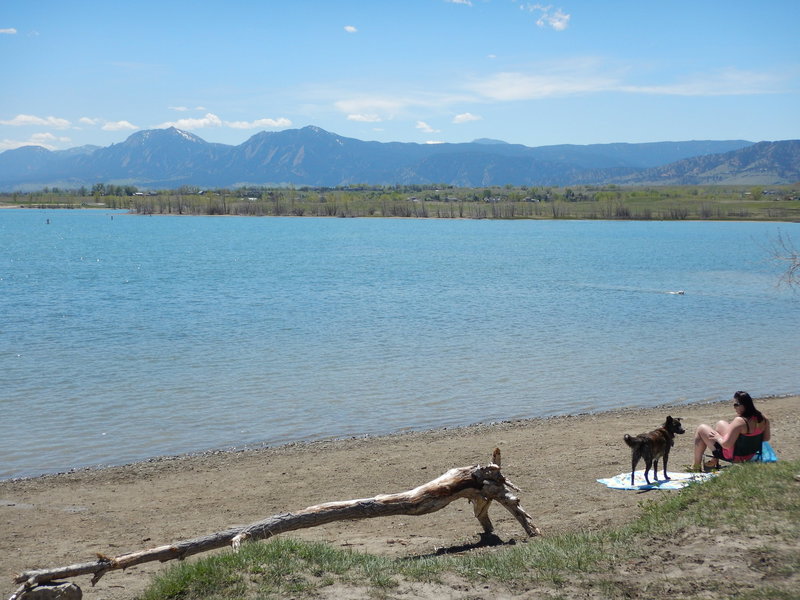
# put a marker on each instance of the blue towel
(767, 453)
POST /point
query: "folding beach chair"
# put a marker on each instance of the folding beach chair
(748, 448)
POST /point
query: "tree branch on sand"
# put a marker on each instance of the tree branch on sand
(479, 485)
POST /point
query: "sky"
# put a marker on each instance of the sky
(427, 71)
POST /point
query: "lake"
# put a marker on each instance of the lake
(124, 337)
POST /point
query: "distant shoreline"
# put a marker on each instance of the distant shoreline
(610, 202)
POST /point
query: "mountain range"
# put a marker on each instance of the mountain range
(171, 158)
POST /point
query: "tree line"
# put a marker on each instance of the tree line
(776, 203)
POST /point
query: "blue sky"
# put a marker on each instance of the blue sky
(575, 71)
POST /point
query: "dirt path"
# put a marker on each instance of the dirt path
(56, 520)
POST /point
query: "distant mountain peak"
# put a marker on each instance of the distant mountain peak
(166, 133)
(488, 141)
(186, 135)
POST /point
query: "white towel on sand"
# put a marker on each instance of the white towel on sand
(675, 482)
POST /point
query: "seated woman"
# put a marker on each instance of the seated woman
(748, 422)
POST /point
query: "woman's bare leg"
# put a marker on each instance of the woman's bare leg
(722, 427)
(702, 440)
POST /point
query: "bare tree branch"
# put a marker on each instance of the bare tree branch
(784, 252)
(480, 485)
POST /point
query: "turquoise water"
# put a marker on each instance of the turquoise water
(124, 337)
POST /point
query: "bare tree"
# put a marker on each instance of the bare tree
(784, 252)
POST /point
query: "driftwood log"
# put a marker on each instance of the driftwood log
(478, 484)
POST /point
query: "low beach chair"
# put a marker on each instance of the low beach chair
(748, 448)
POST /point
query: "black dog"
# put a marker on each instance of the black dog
(652, 446)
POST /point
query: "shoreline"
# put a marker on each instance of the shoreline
(132, 212)
(62, 519)
(300, 445)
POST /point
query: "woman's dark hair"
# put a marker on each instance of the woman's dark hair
(750, 410)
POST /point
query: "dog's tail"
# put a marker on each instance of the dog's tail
(631, 440)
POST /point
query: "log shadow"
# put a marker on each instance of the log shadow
(486, 540)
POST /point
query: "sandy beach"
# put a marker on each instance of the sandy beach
(61, 519)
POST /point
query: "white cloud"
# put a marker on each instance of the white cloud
(212, 120)
(108, 125)
(7, 144)
(8, 31)
(590, 77)
(209, 120)
(45, 140)
(362, 118)
(118, 126)
(521, 86)
(464, 2)
(556, 19)
(392, 106)
(423, 126)
(28, 120)
(179, 108)
(350, 29)
(282, 122)
(729, 82)
(371, 105)
(466, 117)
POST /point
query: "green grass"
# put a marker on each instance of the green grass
(767, 495)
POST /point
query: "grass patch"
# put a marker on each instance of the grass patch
(754, 506)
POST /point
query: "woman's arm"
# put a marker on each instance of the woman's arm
(728, 439)
(766, 430)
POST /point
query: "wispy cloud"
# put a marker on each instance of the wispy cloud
(362, 118)
(119, 126)
(46, 140)
(6, 144)
(464, 2)
(28, 120)
(350, 29)
(728, 82)
(466, 118)
(374, 108)
(591, 77)
(8, 31)
(423, 126)
(185, 108)
(282, 122)
(547, 16)
(523, 86)
(108, 125)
